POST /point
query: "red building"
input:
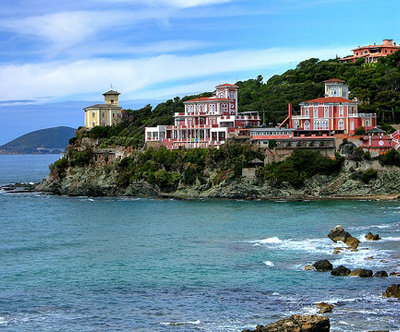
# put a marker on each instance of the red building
(371, 53)
(334, 113)
(206, 121)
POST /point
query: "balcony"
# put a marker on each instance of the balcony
(300, 117)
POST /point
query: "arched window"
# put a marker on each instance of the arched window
(367, 123)
(326, 115)
(232, 95)
(341, 124)
(315, 112)
(305, 111)
(307, 125)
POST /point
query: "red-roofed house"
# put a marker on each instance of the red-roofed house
(371, 53)
(334, 112)
(206, 121)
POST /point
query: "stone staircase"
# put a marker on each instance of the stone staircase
(333, 187)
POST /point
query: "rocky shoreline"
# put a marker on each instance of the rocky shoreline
(97, 180)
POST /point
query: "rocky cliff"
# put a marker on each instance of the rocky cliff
(102, 180)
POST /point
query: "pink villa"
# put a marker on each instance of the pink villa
(371, 53)
(207, 121)
(334, 113)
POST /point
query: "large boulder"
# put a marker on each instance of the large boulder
(339, 234)
(363, 273)
(297, 323)
(392, 291)
(340, 271)
(372, 237)
(380, 274)
(323, 266)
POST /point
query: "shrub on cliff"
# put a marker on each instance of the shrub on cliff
(59, 168)
(392, 157)
(301, 165)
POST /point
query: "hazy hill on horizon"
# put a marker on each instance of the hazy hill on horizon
(43, 141)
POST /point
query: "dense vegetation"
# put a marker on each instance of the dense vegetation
(46, 138)
(299, 166)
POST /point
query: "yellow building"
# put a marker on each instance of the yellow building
(106, 114)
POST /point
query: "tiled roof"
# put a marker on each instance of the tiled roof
(228, 85)
(103, 106)
(332, 80)
(329, 100)
(111, 92)
(203, 99)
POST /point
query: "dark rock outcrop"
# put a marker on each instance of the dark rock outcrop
(323, 265)
(297, 323)
(392, 291)
(363, 273)
(339, 234)
(380, 274)
(340, 271)
(372, 237)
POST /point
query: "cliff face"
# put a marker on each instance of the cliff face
(100, 180)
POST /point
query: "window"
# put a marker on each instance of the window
(212, 108)
(326, 112)
(93, 114)
(341, 111)
(367, 123)
(232, 95)
(296, 124)
(307, 125)
(306, 111)
(224, 107)
(315, 112)
(351, 125)
(341, 125)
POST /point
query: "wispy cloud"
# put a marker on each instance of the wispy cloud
(83, 78)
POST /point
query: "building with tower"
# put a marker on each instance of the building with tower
(106, 114)
(333, 113)
(371, 53)
(206, 121)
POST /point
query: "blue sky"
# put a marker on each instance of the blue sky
(57, 57)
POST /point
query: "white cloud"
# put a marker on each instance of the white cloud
(91, 77)
(172, 3)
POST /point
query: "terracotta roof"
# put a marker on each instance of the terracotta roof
(103, 106)
(111, 92)
(333, 80)
(227, 84)
(203, 99)
(329, 100)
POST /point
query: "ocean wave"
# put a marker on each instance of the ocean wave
(197, 322)
(269, 263)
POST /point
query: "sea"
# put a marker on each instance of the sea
(140, 264)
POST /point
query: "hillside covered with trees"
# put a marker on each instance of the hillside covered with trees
(376, 86)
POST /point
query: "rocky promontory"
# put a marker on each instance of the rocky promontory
(101, 179)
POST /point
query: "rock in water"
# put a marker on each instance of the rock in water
(297, 323)
(392, 291)
(323, 266)
(339, 234)
(372, 237)
(381, 274)
(363, 273)
(340, 271)
(324, 307)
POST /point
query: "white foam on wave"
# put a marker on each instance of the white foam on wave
(269, 263)
(197, 322)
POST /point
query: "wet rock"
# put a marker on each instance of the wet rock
(323, 266)
(392, 291)
(395, 274)
(363, 273)
(325, 307)
(309, 267)
(340, 271)
(297, 323)
(339, 234)
(372, 237)
(380, 274)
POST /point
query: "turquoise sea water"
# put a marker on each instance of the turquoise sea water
(128, 264)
